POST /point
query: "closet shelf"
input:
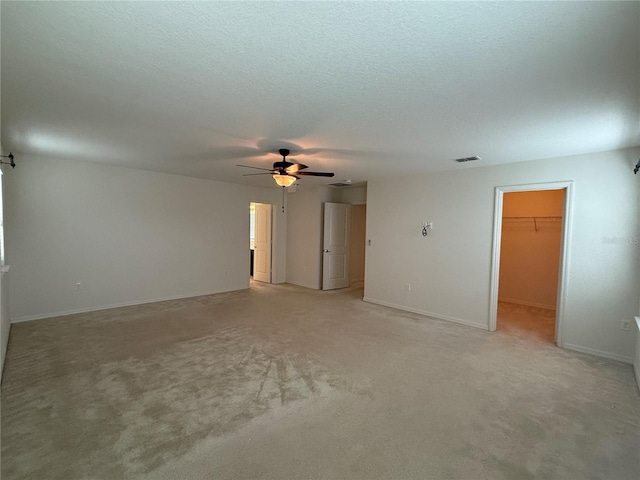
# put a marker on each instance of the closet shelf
(532, 220)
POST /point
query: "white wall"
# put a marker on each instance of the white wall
(304, 234)
(353, 195)
(5, 324)
(449, 271)
(127, 236)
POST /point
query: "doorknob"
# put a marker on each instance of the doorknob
(327, 251)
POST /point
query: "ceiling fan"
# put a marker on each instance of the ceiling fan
(285, 173)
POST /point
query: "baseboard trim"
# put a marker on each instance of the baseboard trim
(30, 318)
(427, 314)
(527, 304)
(598, 353)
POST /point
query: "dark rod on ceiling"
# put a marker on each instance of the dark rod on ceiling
(10, 162)
(635, 170)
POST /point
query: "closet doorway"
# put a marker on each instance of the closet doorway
(530, 245)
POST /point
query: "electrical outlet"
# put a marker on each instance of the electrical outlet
(625, 324)
(407, 287)
(78, 286)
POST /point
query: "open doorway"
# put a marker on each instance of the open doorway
(260, 241)
(529, 263)
(530, 258)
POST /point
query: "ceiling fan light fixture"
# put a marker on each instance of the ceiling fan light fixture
(285, 173)
(284, 180)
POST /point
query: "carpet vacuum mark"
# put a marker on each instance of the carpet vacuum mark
(146, 412)
(229, 386)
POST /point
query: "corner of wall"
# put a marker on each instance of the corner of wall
(5, 322)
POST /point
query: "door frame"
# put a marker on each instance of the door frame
(565, 249)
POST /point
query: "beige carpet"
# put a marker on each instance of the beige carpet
(283, 382)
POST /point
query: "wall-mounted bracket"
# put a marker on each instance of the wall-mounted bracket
(10, 162)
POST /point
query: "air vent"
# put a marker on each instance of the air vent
(340, 184)
(468, 159)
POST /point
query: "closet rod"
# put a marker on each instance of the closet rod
(536, 216)
(535, 219)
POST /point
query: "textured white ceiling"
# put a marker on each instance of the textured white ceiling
(363, 89)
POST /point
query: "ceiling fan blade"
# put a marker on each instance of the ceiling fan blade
(256, 168)
(251, 174)
(282, 165)
(296, 167)
(317, 174)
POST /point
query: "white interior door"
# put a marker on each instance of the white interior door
(335, 253)
(262, 251)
